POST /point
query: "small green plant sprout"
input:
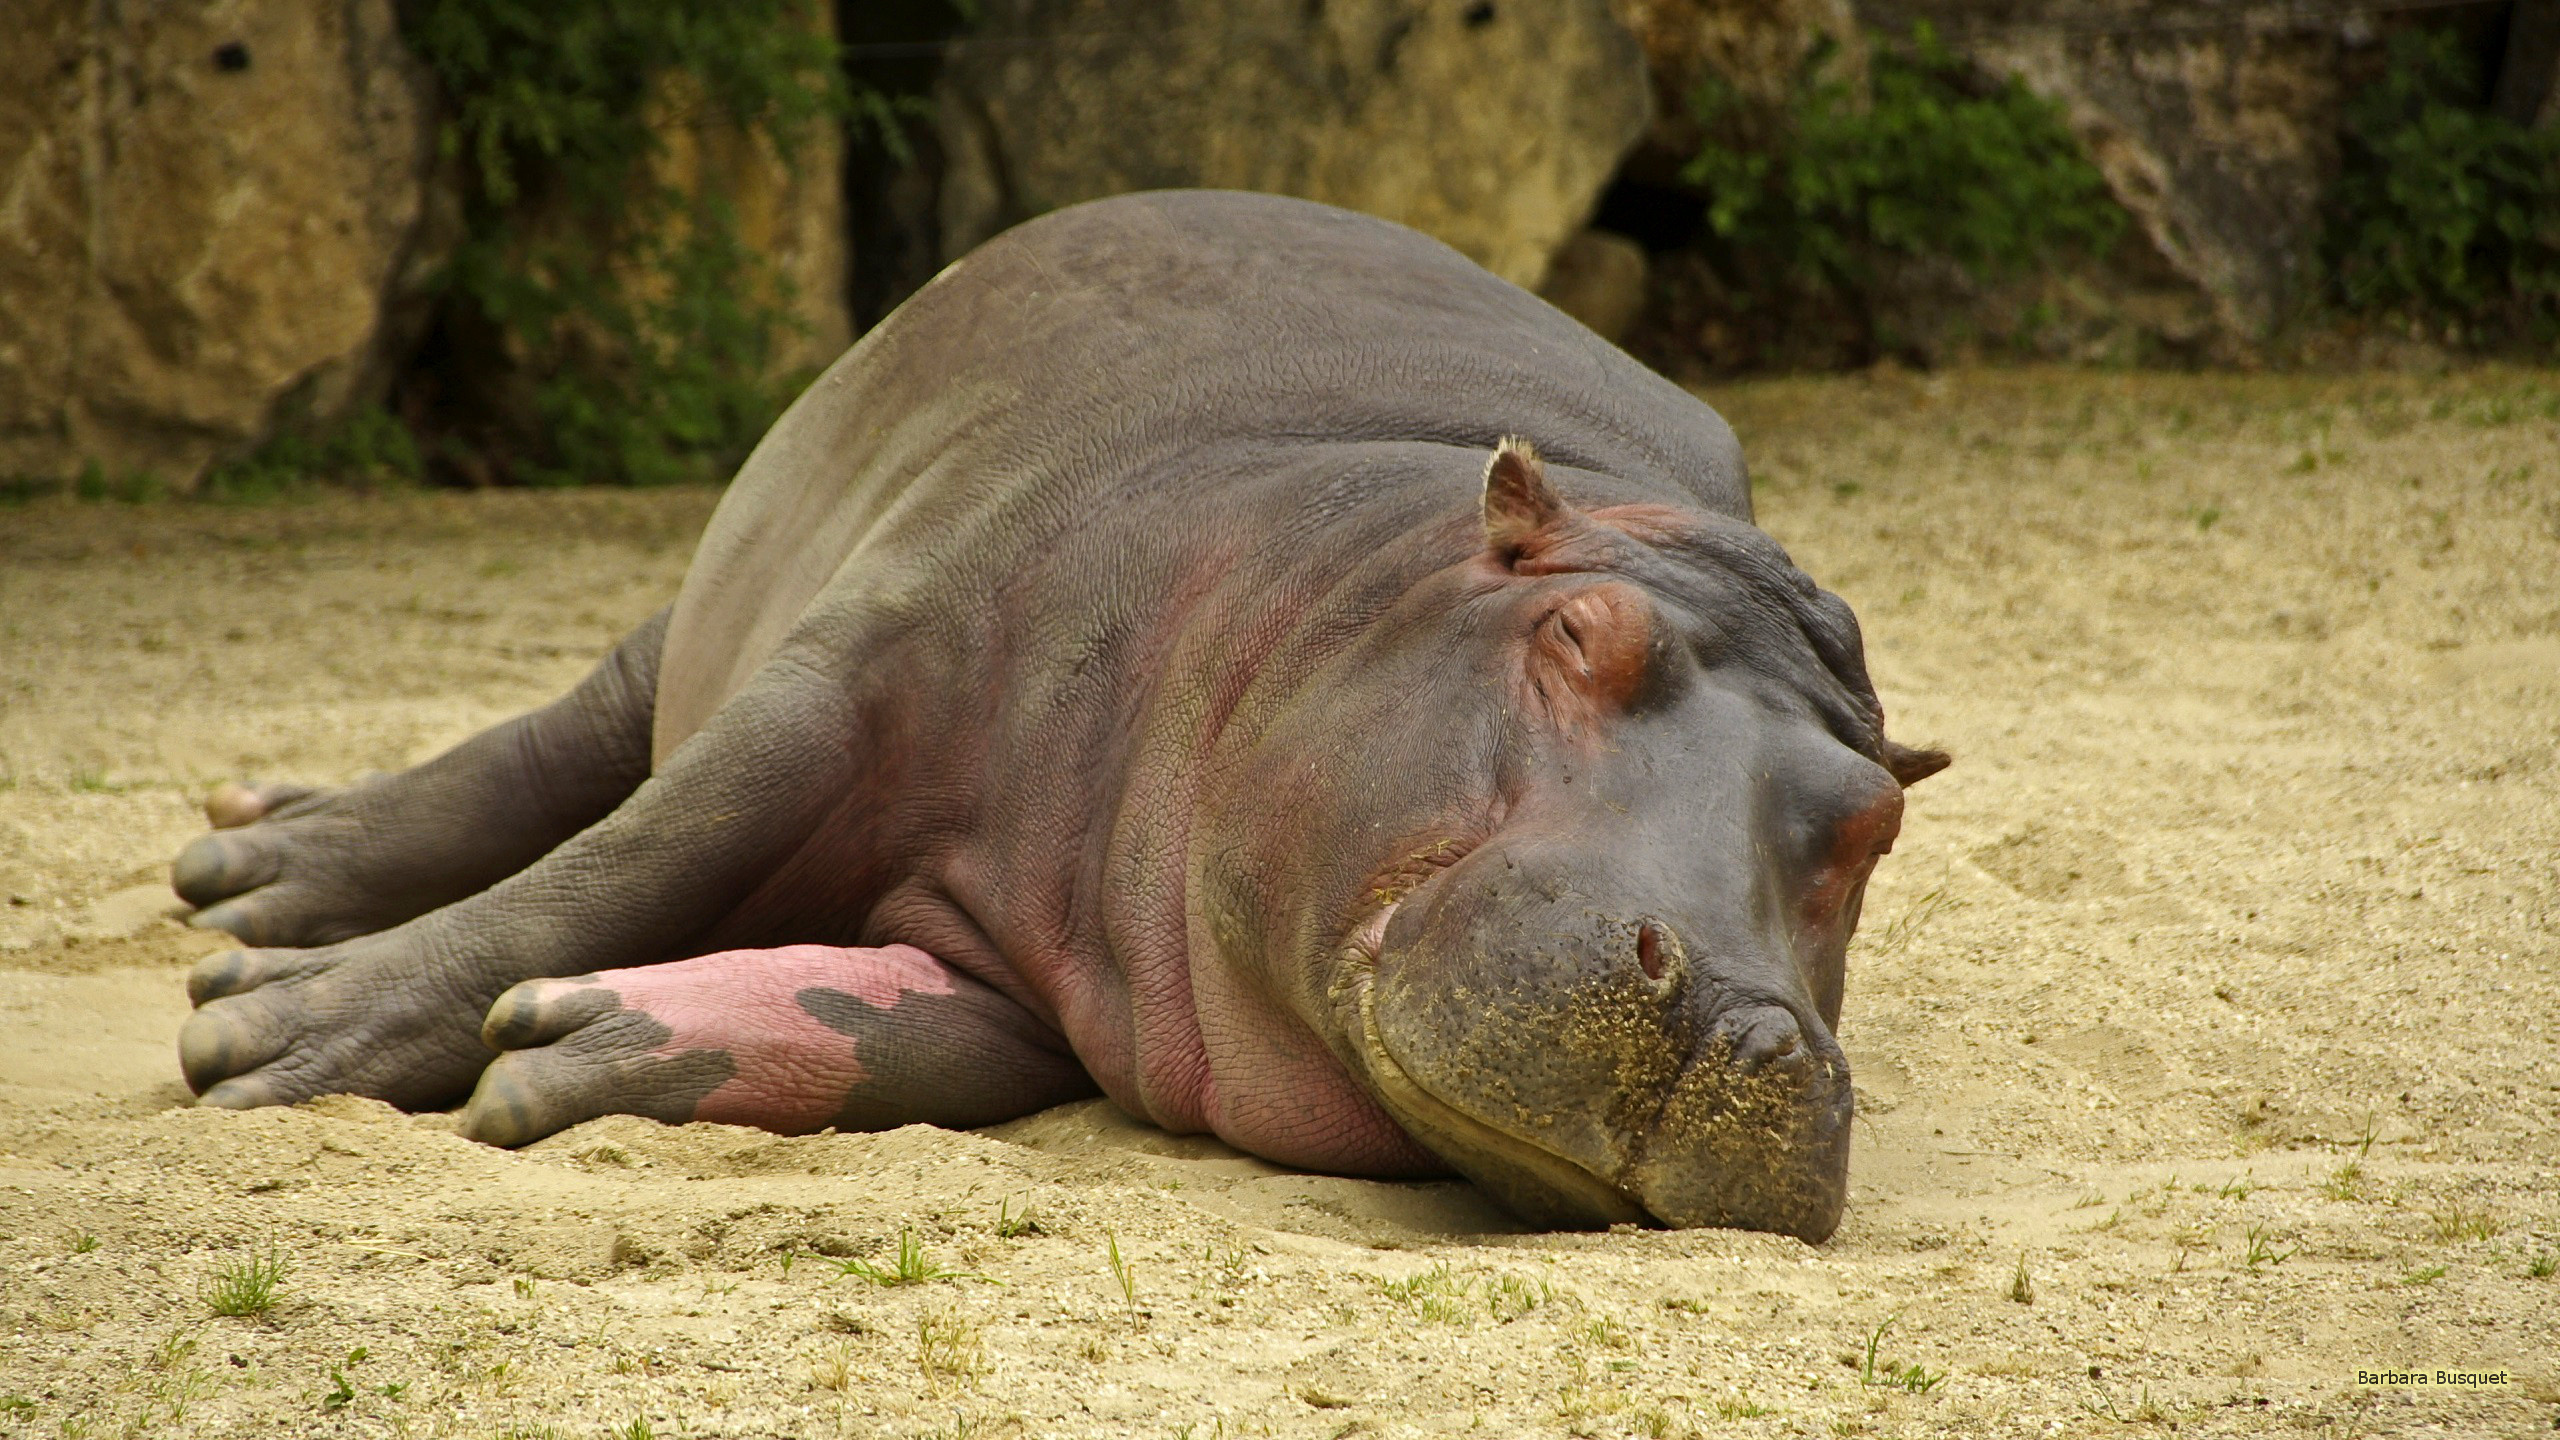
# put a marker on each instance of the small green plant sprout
(79, 1242)
(2344, 1183)
(2543, 1266)
(2144, 1411)
(2462, 1221)
(2090, 1200)
(1122, 1271)
(2428, 1276)
(912, 1266)
(2236, 1188)
(524, 1288)
(1740, 1407)
(636, 1428)
(2364, 1142)
(2262, 1249)
(1903, 928)
(1010, 1226)
(245, 1287)
(341, 1391)
(17, 1407)
(1910, 1377)
(2022, 1286)
(949, 1349)
(1684, 1305)
(790, 1257)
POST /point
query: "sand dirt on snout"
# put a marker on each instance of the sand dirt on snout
(2203, 1022)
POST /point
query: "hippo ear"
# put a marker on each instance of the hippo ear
(1518, 502)
(1910, 766)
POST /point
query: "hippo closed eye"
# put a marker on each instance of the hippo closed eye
(1145, 664)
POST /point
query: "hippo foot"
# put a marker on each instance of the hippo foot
(276, 1027)
(792, 1040)
(288, 865)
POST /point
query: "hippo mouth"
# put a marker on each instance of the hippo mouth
(1534, 1182)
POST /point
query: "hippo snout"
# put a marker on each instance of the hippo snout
(1609, 1070)
(1755, 1132)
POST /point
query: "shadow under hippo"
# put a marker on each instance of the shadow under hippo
(1144, 663)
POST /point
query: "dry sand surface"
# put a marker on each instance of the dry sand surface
(2213, 992)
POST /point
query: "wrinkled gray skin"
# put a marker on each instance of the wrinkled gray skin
(1144, 626)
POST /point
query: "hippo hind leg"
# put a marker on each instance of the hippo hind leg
(291, 866)
(792, 1040)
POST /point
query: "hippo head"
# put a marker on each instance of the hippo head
(1581, 827)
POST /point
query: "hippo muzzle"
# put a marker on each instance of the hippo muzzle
(1591, 1070)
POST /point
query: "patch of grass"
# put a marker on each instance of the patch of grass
(1735, 1407)
(2543, 1266)
(636, 1428)
(1911, 1377)
(2344, 1183)
(2237, 1188)
(2022, 1286)
(247, 1286)
(833, 1368)
(2262, 1249)
(1010, 1226)
(2462, 1221)
(17, 1407)
(949, 1348)
(911, 1267)
(2426, 1276)
(2143, 1411)
(79, 1242)
(1608, 1334)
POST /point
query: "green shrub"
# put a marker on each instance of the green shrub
(370, 447)
(2445, 216)
(1937, 164)
(645, 328)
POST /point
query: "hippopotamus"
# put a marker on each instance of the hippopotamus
(1220, 651)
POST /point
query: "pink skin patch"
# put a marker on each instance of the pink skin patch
(793, 1073)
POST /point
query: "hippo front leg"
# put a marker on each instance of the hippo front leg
(288, 865)
(396, 1015)
(790, 1040)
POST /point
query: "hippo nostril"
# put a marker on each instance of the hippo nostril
(1761, 1035)
(1649, 951)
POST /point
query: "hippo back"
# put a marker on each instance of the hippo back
(1121, 345)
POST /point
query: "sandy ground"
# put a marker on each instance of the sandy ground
(2214, 992)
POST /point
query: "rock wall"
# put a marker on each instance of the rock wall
(210, 214)
(1492, 124)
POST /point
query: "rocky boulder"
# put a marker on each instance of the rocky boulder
(215, 215)
(1492, 124)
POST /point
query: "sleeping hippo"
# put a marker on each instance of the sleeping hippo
(1222, 651)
